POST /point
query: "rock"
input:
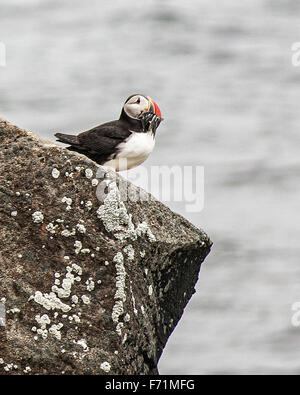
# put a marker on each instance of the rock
(89, 286)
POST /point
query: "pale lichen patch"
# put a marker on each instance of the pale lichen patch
(38, 217)
(51, 228)
(89, 205)
(10, 366)
(52, 301)
(90, 285)
(118, 310)
(116, 220)
(68, 201)
(55, 330)
(76, 318)
(113, 214)
(120, 295)
(78, 246)
(82, 343)
(129, 251)
(150, 290)
(68, 233)
(85, 299)
(42, 320)
(143, 229)
(127, 318)
(81, 228)
(55, 173)
(133, 301)
(119, 328)
(121, 275)
(105, 366)
(14, 310)
(49, 301)
(89, 173)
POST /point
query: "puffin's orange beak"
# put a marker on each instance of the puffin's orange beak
(154, 107)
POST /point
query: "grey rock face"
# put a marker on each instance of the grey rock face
(88, 286)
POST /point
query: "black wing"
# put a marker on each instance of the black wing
(100, 143)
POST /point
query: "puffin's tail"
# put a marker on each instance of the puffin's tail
(67, 139)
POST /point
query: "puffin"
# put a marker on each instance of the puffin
(124, 143)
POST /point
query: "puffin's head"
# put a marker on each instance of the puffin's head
(138, 104)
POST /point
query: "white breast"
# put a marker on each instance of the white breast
(135, 150)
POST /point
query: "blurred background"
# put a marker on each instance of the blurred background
(222, 74)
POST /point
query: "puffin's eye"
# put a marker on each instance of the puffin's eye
(138, 101)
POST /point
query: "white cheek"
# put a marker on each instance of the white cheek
(133, 110)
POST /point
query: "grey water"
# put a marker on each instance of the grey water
(222, 74)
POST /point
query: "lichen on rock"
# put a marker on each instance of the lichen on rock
(89, 286)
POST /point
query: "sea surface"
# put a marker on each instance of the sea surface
(222, 74)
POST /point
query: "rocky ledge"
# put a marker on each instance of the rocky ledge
(90, 282)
